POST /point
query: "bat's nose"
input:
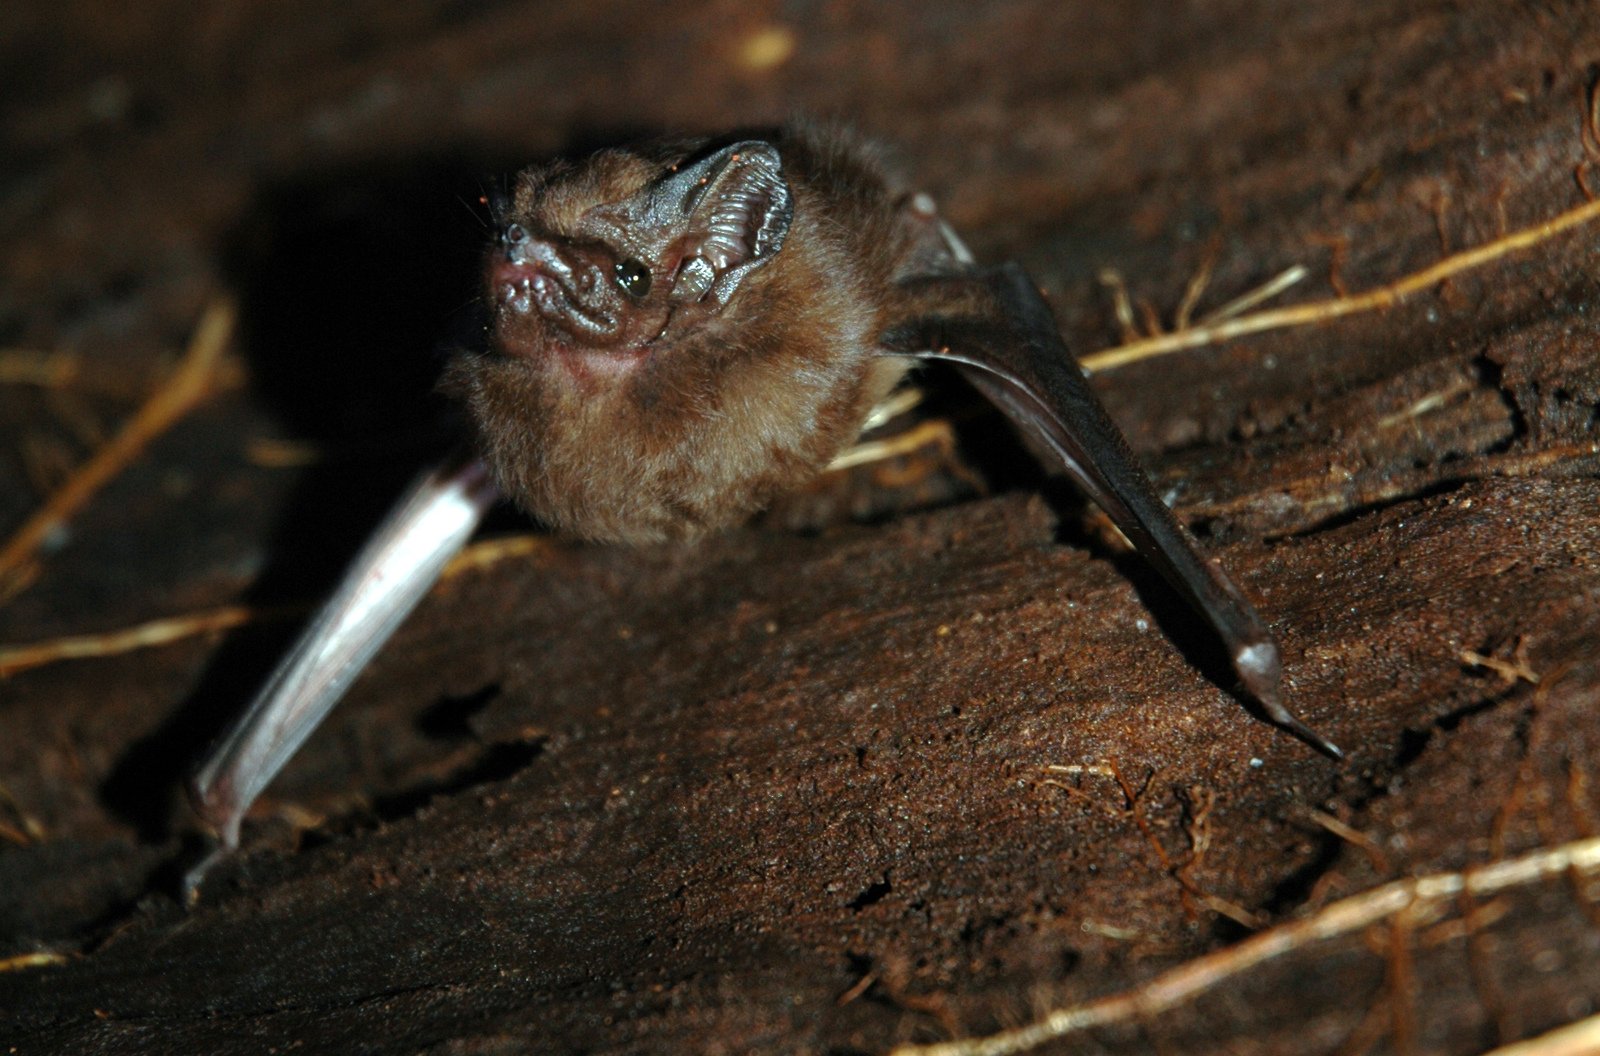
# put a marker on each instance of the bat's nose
(527, 266)
(512, 282)
(536, 276)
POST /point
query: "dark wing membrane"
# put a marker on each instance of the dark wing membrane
(994, 325)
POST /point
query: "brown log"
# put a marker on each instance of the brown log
(939, 773)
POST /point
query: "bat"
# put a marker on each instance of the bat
(678, 333)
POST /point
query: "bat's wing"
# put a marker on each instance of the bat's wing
(994, 325)
(404, 557)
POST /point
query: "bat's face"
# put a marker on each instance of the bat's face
(615, 253)
(669, 344)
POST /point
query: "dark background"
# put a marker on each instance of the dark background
(791, 791)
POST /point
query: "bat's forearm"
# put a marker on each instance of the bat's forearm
(428, 526)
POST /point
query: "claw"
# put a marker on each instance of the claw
(1260, 671)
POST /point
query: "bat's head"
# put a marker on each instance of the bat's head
(603, 261)
(667, 347)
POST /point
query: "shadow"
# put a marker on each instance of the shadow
(497, 762)
(988, 441)
(450, 718)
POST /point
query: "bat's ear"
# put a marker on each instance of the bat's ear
(737, 203)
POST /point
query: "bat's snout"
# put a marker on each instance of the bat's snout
(562, 284)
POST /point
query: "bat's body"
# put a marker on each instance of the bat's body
(747, 364)
(682, 332)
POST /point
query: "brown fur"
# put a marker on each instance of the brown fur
(731, 407)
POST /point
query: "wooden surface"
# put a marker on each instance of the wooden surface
(926, 774)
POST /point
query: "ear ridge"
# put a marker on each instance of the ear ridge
(740, 200)
(750, 209)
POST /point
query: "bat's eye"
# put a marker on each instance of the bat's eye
(633, 277)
